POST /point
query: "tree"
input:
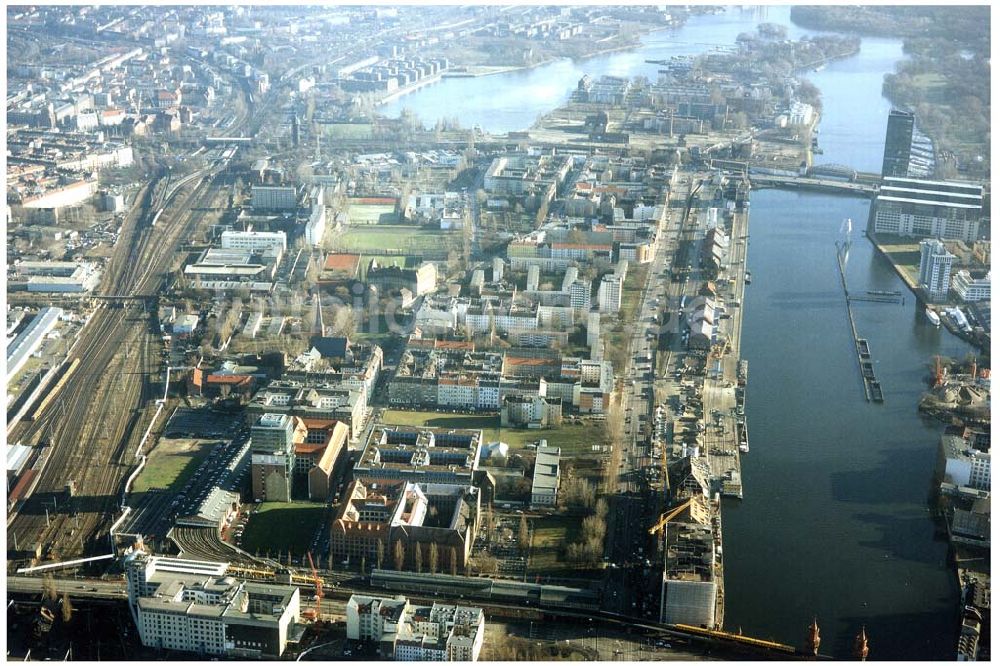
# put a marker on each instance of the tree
(418, 557)
(432, 563)
(363, 564)
(379, 553)
(400, 555)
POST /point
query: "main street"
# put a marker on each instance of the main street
(630, 588)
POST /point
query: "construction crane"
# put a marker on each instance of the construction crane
(315, 611)
(669, 515)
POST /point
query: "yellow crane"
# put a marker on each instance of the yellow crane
(667, 516)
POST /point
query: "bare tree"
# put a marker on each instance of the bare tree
(418, 557)
(432, 563)
(49, 588)
(67, 608)
(379, 553)
(453, 560)
(523, 535)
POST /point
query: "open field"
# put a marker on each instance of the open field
(372, 214)
(279, 527)
(574, 439)
(549, 538)
(903, 253)
(172, 462)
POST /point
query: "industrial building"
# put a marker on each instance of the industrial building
(690, 584)
(404, 632)
(58, 276)
(256, 241)
(545, 479)
(228, 269)
(962, 464)
(264, 197)
(30, 339)
(194, 606)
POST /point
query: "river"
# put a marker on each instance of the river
(834, 522)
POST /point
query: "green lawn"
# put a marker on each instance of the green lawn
(279, 527)
(171, 464)
(573, 439)
(635, 280)
(413, 239)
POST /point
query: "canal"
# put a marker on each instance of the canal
(834, 522)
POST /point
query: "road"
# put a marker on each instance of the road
(631, 587)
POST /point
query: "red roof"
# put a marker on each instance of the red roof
(319, 424)
(380, 201)
(347, 263)
(229, 379)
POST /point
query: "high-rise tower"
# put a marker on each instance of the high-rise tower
(898, 142)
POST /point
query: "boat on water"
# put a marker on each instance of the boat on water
(747, 278)
(744, 439)
(932, 317)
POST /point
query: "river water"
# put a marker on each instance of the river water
(834, 522)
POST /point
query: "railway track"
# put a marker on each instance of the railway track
(93, 425)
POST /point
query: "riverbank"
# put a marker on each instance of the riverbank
(400, 92)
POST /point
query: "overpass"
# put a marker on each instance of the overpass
(821, 184)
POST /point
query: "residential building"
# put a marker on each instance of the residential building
(441, 632)
(530, 412)
(322, 473)
(934, 275)
(316, 226)
(389, 519)
(311, 399)
(545, 479)
(422, 455)
(947, 210)
(609, 293)
(898, 139)
(195, 606)
(420, 280)
(970, 289)
(272, 440)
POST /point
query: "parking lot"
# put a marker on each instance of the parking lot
(202, 423)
